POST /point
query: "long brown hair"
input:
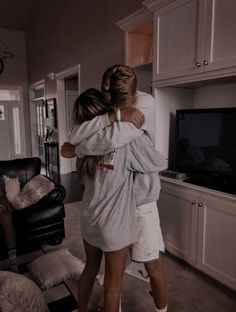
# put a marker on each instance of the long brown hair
(87, 106)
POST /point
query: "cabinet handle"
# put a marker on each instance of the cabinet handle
(200, 204)
(206, 62)
(194, 202)
(198, 64)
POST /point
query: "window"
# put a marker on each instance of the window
(9, 95)
(16, 130)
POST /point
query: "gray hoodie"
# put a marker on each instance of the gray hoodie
(99, 137)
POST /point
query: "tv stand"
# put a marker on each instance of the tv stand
(199, 226)
(219, 183)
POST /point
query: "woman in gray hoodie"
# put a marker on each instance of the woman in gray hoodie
(108, 207)
(104, 133)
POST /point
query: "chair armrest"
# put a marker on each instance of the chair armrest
(57, 194)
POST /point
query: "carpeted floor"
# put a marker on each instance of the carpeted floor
(188, 289)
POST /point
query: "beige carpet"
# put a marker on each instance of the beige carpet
(188, 290)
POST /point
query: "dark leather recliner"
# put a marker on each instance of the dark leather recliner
(39, 223)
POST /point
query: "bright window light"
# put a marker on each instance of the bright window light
(9, 95)
(16, 126)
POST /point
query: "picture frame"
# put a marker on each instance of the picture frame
(51, 111)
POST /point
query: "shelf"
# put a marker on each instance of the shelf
(140, 45)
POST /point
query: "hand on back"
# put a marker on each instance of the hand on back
(133, 115)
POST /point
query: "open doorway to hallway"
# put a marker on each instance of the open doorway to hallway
(68, 89)
(71, 94)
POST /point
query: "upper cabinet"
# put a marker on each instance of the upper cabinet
(179, 39)
(220, 40)
(138, 29)
(193, 39)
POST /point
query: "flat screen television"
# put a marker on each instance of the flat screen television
(206, 147)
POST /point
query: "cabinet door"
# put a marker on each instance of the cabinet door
(220, 43)
(178, 39)
(178, 217)
(217, 235)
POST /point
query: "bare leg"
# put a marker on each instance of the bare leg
(87, 278)
(115, 262)
(158, 282)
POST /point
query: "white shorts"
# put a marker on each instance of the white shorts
(150, 240)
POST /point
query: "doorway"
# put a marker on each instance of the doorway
(71, 94)
(37, 117)
(68, 89)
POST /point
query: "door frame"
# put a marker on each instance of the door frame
(33, 118)
(65, 164)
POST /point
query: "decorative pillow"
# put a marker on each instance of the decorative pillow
(34, 190)
(18, 293)
(55, 267)
(12, 187)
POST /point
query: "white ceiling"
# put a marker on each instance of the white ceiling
(14, 14)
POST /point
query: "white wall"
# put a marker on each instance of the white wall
(63, 34)
(216, 95)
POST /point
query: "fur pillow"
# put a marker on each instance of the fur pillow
(18, 293)
(55, 267)
(12, 187)
(34, 190)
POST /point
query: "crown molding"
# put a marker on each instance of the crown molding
(154, 5)
(135, 19)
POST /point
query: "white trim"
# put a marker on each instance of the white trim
(37, 85)
(65, 164)
(154, 5)
(68, 72)
(135, 19)
(38, 99)
(12, 87)
(32, 110)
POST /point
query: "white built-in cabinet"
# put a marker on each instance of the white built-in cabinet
(179, 39)
(186, 49)
(193, 40)
(178, 215)
(199, 226)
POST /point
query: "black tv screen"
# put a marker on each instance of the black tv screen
(206, 141)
